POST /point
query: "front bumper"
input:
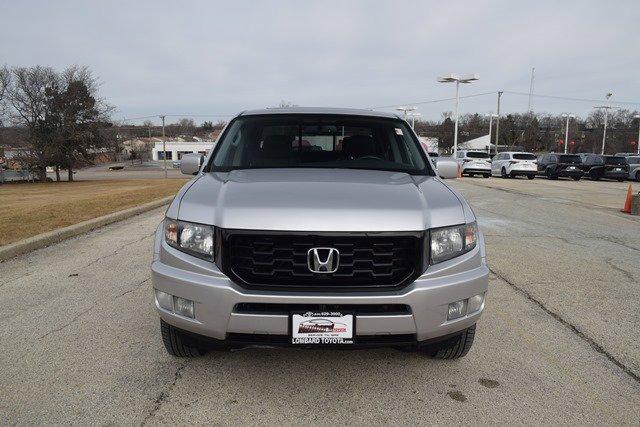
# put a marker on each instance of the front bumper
(217, 299)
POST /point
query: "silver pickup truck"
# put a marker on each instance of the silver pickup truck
(319, 228)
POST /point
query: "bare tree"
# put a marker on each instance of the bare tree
(74, 117)
(5, 82)
(27, 99)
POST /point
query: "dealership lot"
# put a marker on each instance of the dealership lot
(557, 343)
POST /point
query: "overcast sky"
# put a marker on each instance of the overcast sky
(210, 58)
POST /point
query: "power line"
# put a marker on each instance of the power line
(565, 98)
(433, 101)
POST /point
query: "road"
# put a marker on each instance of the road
(557, 343)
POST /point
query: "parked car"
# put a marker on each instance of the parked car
(474, 163)
(510, 164)
(634, 167)
(596, 167)
(266, 240)
(554, 166)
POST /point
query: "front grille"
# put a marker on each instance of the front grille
(278, 260)
(357, 309)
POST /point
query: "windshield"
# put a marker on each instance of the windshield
(319, 141)
(570, 159)
(477, 155)
(524, 156)
(615, 161)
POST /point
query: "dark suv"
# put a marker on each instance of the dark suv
(554, 165)
(596, 167)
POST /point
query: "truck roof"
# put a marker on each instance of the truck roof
(320, 110)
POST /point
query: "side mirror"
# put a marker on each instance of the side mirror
(190, 163)
(447, 168)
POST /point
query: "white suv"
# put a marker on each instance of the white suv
(474, 162)
(510, 164)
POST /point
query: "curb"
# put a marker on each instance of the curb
(55, 236)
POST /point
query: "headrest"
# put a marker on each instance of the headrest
(275, 144)
(358, 145)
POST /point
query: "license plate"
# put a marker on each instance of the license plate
(571, 168)
(618, 169)
(322, 328)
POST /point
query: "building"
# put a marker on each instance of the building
(482, 143)
(176, 148)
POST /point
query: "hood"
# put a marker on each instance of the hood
(320, 200)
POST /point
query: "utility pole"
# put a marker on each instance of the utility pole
(164, 148)
(498, 120)
(491, 116)
(533, 70)
(405, 110)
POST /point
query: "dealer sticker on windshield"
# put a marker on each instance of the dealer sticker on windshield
(322, 328)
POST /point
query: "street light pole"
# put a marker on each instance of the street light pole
(457, 79)
(606, 109)
(164, 148)
(413, 119)
(637, 116)
(455, 129)
(498, 120)
(566, 132)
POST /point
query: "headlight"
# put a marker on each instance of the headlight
(450, 242)
(195, 239)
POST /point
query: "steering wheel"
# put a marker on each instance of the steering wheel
(369, 158)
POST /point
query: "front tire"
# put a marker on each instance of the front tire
(486, 175)
(575, 178)
(177, 343)
(503, 173)
(620, 179)
(638, 176)
(531, 176)
(451, 348)
(551, 175)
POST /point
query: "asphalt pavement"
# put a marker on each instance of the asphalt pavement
(557, 343)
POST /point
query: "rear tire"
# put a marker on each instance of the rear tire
(575, 178)
(638, 176)
(179, 344)
(451, 348)
(620, 179)
(486, 175)
(531, 176)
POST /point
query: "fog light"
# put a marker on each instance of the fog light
(183, 307)
(165, 300)
(475, 303)
(457, 309)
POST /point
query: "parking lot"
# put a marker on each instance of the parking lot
(558, 341)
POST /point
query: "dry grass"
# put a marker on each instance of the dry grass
(30, 209)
